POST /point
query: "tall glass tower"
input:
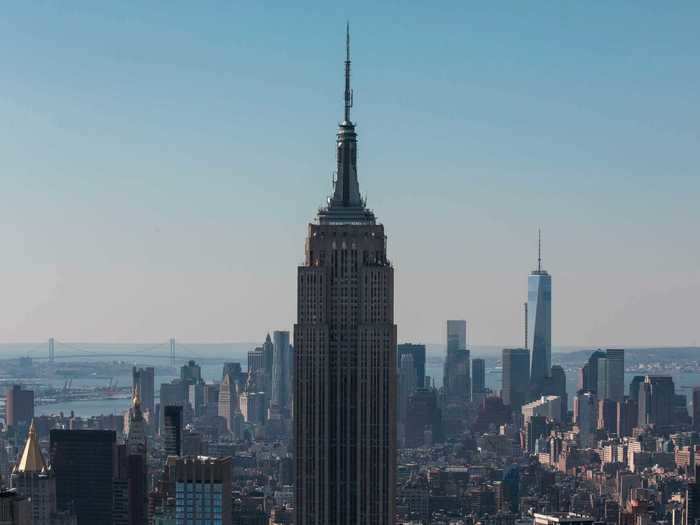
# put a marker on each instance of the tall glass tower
(539, 309)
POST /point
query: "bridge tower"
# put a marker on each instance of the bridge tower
(52, 351)
(172, 352)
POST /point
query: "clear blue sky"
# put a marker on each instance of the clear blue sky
(160, 162)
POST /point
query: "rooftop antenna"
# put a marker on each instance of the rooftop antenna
(348, 91)
(539, 250)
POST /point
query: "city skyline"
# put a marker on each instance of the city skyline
(82, 266)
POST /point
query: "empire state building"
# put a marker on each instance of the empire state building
(345, 356)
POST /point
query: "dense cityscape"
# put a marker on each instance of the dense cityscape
(338, 422)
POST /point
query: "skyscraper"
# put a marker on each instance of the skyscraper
(585, 417)
(539, 311)
(589, 372)
(33, 479)
(83, 462)
(457, 376)
(407, 386)
(516, 366)
(202, 489)
(19, 406)
(696, 408)
(345, 354)
(144, 379)
(418, 353)
(136, 464)
(478, 376)
(282, 366)
(656, 397)
(228, 401)
(172, 430)
(615, 358)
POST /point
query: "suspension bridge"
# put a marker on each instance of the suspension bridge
(56, 350)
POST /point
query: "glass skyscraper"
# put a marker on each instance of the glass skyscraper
(539, 313)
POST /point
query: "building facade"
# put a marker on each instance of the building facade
(19, 406)
(418, 353)
(202, 490)
(83, 463)
(539, 311)
(516, 375)
(345, 356)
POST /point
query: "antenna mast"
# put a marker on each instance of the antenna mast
(525, 310)
(348, 90)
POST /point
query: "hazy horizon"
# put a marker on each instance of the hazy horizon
(161, 166)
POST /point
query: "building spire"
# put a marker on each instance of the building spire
(31, 459)
(348, 90)
(539, 250)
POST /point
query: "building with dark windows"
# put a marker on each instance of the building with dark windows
(539, 311)
(516, 368)
(19, 406)
(83, 463)
(418, 353)
(345, 356)
(282, 371)
(656, 399)
(478, 376)
(424, 424)
(172, 430)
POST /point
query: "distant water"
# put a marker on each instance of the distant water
(212, 356)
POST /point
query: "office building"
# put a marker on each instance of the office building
(144, 380)
(478, 376)
(345, 355)
(607, 415)
(191, 373)
(457, 376)
(615, 388)
(634, 387)
(228, 403)
(202, 490)
(423, 425)
(418, 353)
(282, 371)
(15, 509)
(172, 394)
(696, 408)
(656, 397)
(19, 406)
(589, 373)
(172, 430)
(604, 374)
(536, 429)
(539, 311)
(83, 463)
(33, 479)
(407, 386)
(516, 377)
(627, 414)
(585, 417)
(547, 406)
(134, 464)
